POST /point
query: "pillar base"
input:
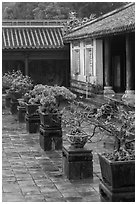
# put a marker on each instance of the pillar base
(108, 91)
(129, 97)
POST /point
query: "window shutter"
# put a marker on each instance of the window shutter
(89, 62)
(76, 61)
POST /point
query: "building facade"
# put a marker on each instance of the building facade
(37, 49)
(103, 53)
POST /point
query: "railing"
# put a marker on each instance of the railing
(33, 23)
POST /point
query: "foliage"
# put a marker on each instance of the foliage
(121, 155)
(110, 117)
(34, 95)
(56, 10)
(48, 104)
(8, 78)
(17, 82)
(119, 123)
(62, 93)
(110, 112)
(74, 118)
(49, 97)
(18, 10)
(52, 96)
(20, 83)
(50, 10)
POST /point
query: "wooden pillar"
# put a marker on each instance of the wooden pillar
(26, 65)
(130, 68)
(130, 53)
(107, 67)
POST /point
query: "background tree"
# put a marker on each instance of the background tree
(56, 10)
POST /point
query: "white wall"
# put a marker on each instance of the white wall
(97, 62)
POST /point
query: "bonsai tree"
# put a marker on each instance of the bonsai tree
(118, 166)
(48, 104)
(59, 93)
(109, 117)
(19, 84)
(49, 109)
(33, 96)
(74, 118)
(7, 79)
(120, 124)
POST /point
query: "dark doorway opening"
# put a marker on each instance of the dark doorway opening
(50, 72)
(118, 63)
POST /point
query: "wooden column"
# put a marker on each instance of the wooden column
(130, 63)
(107, 66)
(129, 95)
(26, 65)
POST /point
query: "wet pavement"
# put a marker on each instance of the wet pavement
(30, 174)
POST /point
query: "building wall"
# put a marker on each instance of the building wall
(99, 61)
(46, 67)
(86, 66)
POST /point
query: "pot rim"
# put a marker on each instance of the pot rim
(34, 104)
(77, 135)
(115, 162)
(49, 113)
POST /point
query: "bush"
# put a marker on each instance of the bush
(16, 82)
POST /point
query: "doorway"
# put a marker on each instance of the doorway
(118, 64)
(119, 75)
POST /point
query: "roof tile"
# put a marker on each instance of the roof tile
(31, 38)
(121, 20)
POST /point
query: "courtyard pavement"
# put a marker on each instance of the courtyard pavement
(30, 174)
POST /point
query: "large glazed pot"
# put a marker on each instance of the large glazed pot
(50, 120)
(117, 174)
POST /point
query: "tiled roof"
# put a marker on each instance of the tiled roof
(119, 21)
(31, 37)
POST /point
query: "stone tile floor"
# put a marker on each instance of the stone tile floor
(29, 174)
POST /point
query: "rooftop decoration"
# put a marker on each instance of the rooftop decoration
(74, 21)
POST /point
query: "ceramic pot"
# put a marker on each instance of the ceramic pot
(77, 141)
(117, 174)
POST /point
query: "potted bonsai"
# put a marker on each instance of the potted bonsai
(32, 99)
(63, 95)
(50, 104)
(20, 84)
(74, 119)
(50, 116)
(7, 80)
(118, 166)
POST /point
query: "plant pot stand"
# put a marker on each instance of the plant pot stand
(32, 123)
(50, 139)
(119, 195)
(3, 101)
(13, 107)
(77, 163)
(21, 114)
(7, 101)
